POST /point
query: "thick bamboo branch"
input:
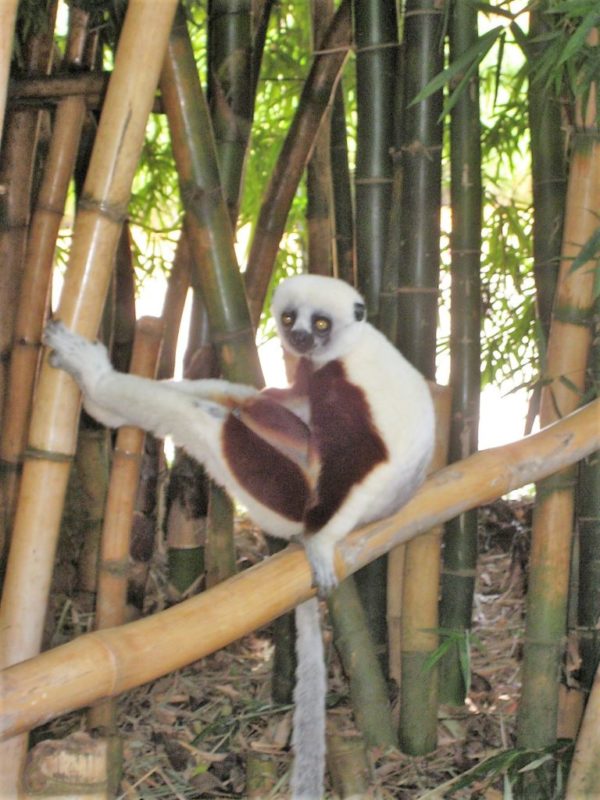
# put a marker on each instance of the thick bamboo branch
(106, 663)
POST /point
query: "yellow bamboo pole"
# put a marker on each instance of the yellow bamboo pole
(563, 386)
(419, 617)
(120, 504)
(105, 663)
(102, 208)
(37, 270)
(8, 15)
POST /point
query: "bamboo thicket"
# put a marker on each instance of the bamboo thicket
(101, 211)
(106, 663)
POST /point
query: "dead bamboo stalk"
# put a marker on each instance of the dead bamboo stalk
(108, 662)
(8, 15)
(102, 208)
(111, 596)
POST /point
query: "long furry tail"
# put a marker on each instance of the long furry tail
(308, 738)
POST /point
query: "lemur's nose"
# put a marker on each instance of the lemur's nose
(302, 340)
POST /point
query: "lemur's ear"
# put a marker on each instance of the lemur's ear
(359, 311)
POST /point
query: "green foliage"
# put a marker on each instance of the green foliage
(509, 767)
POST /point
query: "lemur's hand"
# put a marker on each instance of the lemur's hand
(85, 361)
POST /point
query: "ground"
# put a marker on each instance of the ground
(192, 734)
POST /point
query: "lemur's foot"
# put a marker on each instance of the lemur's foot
(321, 557)
(86, 361)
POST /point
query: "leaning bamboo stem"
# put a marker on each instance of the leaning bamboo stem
(106, 663)
(8, 15)
(103, 206)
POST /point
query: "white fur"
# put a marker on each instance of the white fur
(192, 412)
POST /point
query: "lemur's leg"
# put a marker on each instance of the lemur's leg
(115, 398)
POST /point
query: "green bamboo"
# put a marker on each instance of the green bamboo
(548, 171)
(314, 100)
(230, 90)
(421, 186)
(460, 542)
(208, 223)
(376, 36)
(368, 688)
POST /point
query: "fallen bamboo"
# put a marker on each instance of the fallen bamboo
(105, 663)
(102, 208)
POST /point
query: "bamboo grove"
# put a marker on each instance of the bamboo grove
(385, 143)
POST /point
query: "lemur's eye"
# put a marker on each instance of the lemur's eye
(287, 319)
(321, 324)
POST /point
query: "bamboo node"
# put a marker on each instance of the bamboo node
(378, 46)
(573, 315)
(460, 573)
(117, 567)
(372, 181)
(48, 455)
(10, 466)
(116, 212)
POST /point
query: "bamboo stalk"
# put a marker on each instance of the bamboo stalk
(419, 618)
(8, 15)
(53, 430)
(564, 380)
(106, 663)
(460, 541)
(316, 95)
(355, 645)
(208, 223)
(376, 34)
(231, 90)
(18, 158)
(118, 518)
(319, 197)
(344, 251)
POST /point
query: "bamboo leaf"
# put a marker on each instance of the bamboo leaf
(469, 60)
(577, 39)
(589, 252)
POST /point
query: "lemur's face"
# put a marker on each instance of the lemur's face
(318, 317)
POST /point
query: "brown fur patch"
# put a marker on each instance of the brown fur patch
(270, 476)
(343, 433)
